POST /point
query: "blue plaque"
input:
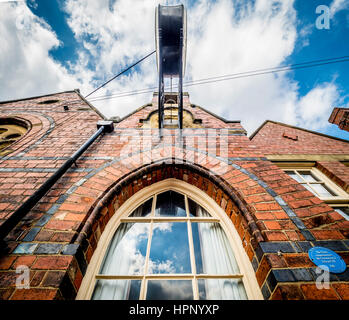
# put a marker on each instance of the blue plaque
(325, 257)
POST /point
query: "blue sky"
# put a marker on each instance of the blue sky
(60, 45)
(53, 13)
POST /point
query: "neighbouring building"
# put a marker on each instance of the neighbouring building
(202, 213)
(340, 117)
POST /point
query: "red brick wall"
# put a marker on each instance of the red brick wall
(275, 138)
(208, 120)
(277, 219)
(336, 171)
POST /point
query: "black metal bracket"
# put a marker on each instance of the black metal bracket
(170, 34)
(107, 124)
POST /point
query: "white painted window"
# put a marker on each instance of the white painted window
(322, 187)
(171, 247)
(317, 183)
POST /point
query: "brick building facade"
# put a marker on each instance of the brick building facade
(340, 117)
(283, 191)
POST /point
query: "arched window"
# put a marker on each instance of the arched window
(11, 130)
(168, 247)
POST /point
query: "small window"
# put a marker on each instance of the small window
(321, 186)
(316, 183)
(52, 101)
(11, 130)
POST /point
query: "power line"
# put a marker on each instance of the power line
(308, 64)
(231, 77)
(122, 72)
(266, 72)
(281, 67)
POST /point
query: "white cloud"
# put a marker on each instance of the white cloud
(26, 69)
(161, 266)
(224, 37)
(123, 34)
(316, 106)
(338, 5)
(263, 36)
(232, 40)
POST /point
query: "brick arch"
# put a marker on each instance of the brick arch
(154, 112)
(39, 126)
(233, 180)
(22, 122)
(225, 195)
(245, 199)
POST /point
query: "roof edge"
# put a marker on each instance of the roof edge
(36, 97)
(133, 112)
(215, 115)
(77, 91)
(259, 128)
(294, 127)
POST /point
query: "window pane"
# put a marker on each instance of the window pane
(170, 290)
(170, 203)
(213, 253)
(308, 176)
(196, 210)
(309, 188)
(293, 175)
(322, 191)
(143, 210)
(344, 212)
(169, 251)
(117, 290)
(221, 289)
(127, 250)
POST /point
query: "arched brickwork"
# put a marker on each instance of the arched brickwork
(225, 188)
(215, 187)
(242, 195)
(238, 188)
(38, 126)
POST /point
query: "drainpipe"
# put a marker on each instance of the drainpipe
(103, 127)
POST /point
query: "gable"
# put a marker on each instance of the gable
(278, 138)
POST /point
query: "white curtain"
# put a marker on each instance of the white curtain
(116, 262)
(123, 258)
(218, 258)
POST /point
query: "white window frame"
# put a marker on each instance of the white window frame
(247, 273)
(340, 206)
(340, 197)
(341, 200)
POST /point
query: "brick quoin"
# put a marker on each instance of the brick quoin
(58, 237)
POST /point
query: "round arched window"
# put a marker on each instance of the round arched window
(11, 130)
(169, 247)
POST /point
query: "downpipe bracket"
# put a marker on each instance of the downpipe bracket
(107, 124)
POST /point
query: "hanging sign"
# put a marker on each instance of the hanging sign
(325, 257)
